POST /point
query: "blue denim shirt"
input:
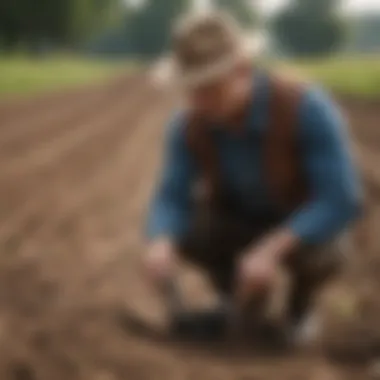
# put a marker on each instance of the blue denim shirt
(331, 173)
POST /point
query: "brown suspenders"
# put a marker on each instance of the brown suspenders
(282, 156)
(282, 164)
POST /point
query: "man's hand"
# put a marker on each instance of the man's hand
(160, 261)
(256, 273)
(259, 267)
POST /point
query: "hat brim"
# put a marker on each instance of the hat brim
(166, 74)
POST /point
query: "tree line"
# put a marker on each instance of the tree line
(303, 28)
(60, 23)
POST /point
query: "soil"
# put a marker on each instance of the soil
(76, 173)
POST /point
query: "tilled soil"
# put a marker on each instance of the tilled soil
(76, 172)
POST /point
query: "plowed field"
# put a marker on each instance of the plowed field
(76, 171)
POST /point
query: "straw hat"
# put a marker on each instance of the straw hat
(205, 47)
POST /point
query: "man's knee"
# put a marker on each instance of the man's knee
(320, 261)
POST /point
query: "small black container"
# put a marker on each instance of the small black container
(202, 325)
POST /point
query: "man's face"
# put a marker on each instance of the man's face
(221, 99)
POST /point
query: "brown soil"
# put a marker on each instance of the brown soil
(76, 172)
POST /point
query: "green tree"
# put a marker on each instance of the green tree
(116, 40)
(150, 26)
(365, 34)
(92, 17)
(26, 22)
(60, 22)
(241, 9)
(309, 28)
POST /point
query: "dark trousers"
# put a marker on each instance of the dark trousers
(218, 236)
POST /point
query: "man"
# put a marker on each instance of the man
(280, 186)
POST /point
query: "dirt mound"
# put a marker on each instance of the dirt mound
(76, 171)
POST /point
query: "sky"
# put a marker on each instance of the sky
(350, 6)
(269, 6)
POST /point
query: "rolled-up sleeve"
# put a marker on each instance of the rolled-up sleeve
(170, 207)
(336, 194)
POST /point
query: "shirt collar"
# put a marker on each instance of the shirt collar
(254, 113)
(259, 100)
